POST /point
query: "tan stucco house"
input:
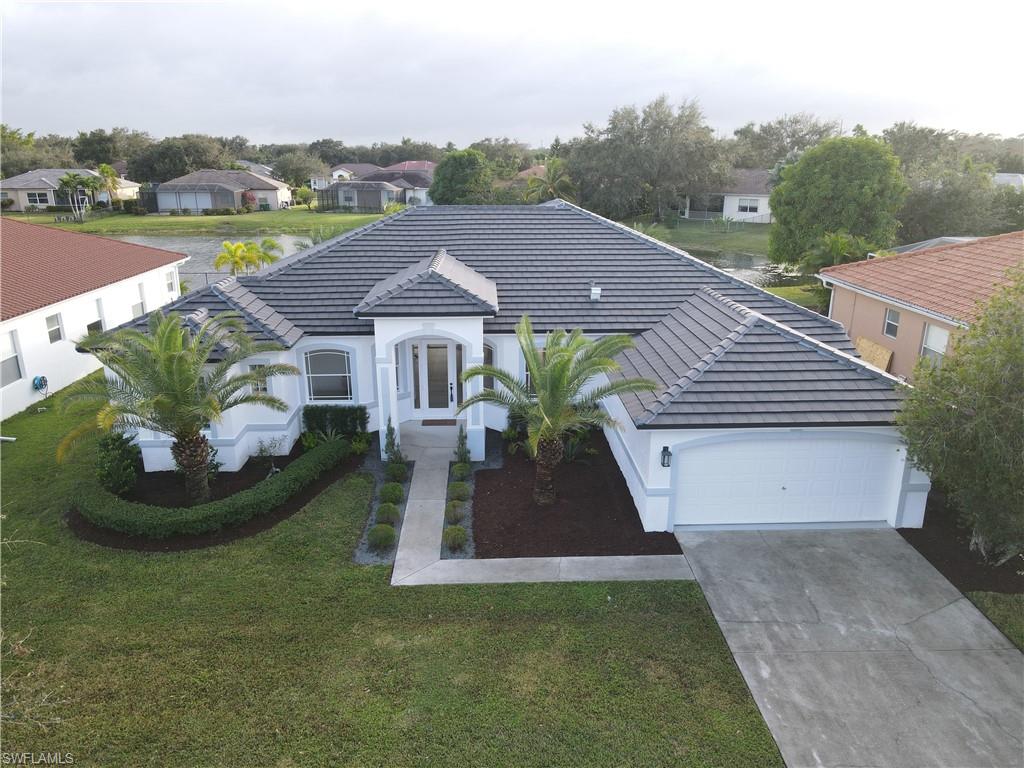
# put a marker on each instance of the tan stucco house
(899, 308)
(41, 188)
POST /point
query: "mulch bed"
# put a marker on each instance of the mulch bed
(85, 530)
(947, 546)
(593, 515)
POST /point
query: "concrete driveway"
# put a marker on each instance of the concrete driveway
(859, 653)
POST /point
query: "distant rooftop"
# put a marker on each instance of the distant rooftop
(237, 181)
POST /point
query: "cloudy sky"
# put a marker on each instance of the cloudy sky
(289, 71)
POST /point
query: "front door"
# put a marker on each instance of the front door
(436, 370)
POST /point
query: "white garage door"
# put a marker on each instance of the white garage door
(195, 201)
(798, 479)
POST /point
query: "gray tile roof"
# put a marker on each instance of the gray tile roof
(42, 178)
(270, 323)
(747, 181)
(237, 181)
(439, 285)
(363, 185)
(720, 364)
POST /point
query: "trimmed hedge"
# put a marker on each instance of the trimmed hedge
(458, 491)
(453, 512)
(392, 492)
(461, 471)
(346, 420)
(106, 510)
(455, 538)
(388, 513)
(396, 472)
(381, 536)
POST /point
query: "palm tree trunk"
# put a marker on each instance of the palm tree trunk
(192, 454)
(549, 454)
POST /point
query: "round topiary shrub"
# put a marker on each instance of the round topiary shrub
(461, 471)
(458, 491)
(453, 512)
(396, 472)
(392, 492)
(455, 537)
(381, 536)
(387, 513)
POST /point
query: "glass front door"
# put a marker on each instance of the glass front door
(436, 367)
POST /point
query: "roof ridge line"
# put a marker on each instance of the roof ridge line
(219, 289)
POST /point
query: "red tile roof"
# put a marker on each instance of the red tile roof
(949, 280)
(40, 266)
(413, 165)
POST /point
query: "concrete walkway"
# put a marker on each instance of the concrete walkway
(418, 559)
(859, 653)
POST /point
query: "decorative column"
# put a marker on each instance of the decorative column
(475, 429)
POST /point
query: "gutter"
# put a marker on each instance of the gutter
(828, 282)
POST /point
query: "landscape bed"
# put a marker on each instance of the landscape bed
(593, 514)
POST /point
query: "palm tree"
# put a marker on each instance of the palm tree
(174, 381)
(109, 179)
(266, 253)
(557, 402)
(240, 258)
(554, 183)
(70, 184)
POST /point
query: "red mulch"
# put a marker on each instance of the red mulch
(593, 515)
(85, 530)
(947, 546)
(167, 489)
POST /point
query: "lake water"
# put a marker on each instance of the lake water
(199, 271)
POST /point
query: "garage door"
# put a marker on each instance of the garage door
(195, 201)
(796, 479)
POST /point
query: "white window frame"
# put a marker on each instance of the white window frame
(38, 198)
(887, 321)
(58, 327)
(15, 354)
(139, 308)
(172, 284)
(99, 319)
(932, 354)
(310, 376)
(488, 381)
(748, 205)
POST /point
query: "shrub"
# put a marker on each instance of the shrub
(186, 211)
(462, 447)
(392, 450)
(453, 512)
(129, 206)
(346, 420)
(117, 205)
(173, 212)
(461, 471)
(392, 492)
(360, 443)
(106, 510)
(396, 472)
(117, 462)
(6, 202)
(309, 440)
(31, 208)
(458, 491)
(455, 537)
(101, 204)
(388, 513)
(381, 536)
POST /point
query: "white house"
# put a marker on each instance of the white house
(745, 197)
(40, 188)
(206, 189)
(762, 416)
(342, 172)
(57, 286)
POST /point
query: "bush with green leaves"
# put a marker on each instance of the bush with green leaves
(392, 451)
(346, 420)
(381, 537)
(461, 471)
(458, 491)
(392, 492)
(117, 462)
(462, 447)
(388, 513)
(454, 512)
(455, 537)
(360, 443)
(396, 472)
(106, 510)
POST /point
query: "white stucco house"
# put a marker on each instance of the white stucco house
(763, 417)
(57, 286)
(40, 189)
(744, 198)
(205, 189)
(342, 172)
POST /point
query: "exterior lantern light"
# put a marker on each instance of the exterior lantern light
(666, 457)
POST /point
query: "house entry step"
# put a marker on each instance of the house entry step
(438, 422)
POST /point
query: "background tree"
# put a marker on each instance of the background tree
(176, 156)
(110, 179)
(304, 196)
(846, 184)
(72, 186)
(245, 257)
(297, 168)
(554, 183)
(331, 152)
(768, 144)
(834, 248)
(560, 403)
(169, 380)
(461, 178)
(506, 156)
(952, 201)
(101, 146)
(963, 423)
(21, 152)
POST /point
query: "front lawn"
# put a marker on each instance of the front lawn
(812, 296)
(1005, 611)
(700, 235)
(277, 650)
(300, 221)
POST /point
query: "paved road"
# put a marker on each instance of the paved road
(859, 653)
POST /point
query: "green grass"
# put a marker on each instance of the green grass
(289, 221)
(813, 295)
(698, 236)
(278, 651)
(1005, 611)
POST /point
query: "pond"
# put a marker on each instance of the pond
(199, 271)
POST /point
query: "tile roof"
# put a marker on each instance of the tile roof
(363, 185)
(410, 178)
(44, 265)
(748, 181)
(238, 181)
(949, 281)
(42, 178)
(440, 285)
(357, 169)
(413, 165)
(719, 364)
(262, 320)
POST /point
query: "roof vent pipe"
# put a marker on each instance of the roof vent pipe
(595, 291)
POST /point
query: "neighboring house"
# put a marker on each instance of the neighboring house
(342, 172)
(423, 166)
(59, 285)
(260, 168)
(359, 196)
(204, 189)
(744, 198)
(1015, 180)
(522, 179)
(39, 188)
(762, 416)
(414, 185)
(901, 307)
(933, 242)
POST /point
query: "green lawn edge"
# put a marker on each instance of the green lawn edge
(1005, 611)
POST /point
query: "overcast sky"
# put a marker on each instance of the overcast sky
(297, 71)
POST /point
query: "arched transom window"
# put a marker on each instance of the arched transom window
(329, 375)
